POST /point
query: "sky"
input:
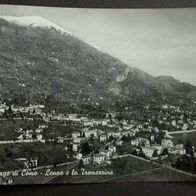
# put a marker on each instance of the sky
(158, 41)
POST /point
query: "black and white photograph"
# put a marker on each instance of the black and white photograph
(97, 95)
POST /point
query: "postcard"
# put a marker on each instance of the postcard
(97, 95)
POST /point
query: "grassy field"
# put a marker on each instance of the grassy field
(54, 130)
(46, 154)
(184, 137)
(128, 169)
(122, 166)
(7, 128)
(159, 175)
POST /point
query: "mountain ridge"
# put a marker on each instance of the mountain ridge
(44, 61)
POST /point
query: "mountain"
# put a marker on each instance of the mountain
(39, 58)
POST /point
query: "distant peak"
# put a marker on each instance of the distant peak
(35, 21)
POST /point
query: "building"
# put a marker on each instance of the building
(148, 151)
(166, 143)
(98, 159)
(112, 149)
(2, 110)
(90, 133)
(75, 147)
(88, 123)
(158, 148)
(39, 136)
(102, 137)
(39, 130)
(75, 134)
(60, 140)
(43, 126)
(106, 153)
(87, 160)
(78, 140)
(78, 156)
(119, 143)
(104, 122)
(178, 149)
(135, 142)
(116, 134)
(140, 141)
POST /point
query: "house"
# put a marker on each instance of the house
(88, 123)
(110, 133)
(178, 149)
(102, 137)
(90, 132)
(39, 136)
(152, 138)
(135, 142)
(75, 147)
(43, 126)
(78, 156)
(116, 134)
(158, 148)
(148, 151)
(78, 140)
(98, 159)
(112, 149)
(185, 126)
(166, 143)
(60, 140)
(19, 130)
(140, 141)
(127, 127)
(125, 133)
(119, 142)
(20, 137)
(106, 153)
(2, 110)
(104, 122)
(86, 160)
(75, 134)
(173, 122)
(39, 130)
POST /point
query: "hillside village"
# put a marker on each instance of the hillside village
(99, 141)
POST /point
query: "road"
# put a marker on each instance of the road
(170, 134)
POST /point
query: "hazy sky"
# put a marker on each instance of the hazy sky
(159, 41)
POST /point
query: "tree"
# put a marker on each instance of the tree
(180, 141)
(8, 153)
(155, 154)
(111, 138)
(189, 147)
(80, 164)
(119, 117)
(92, 137)
(110, 117)
(85, 149)
(164, 152)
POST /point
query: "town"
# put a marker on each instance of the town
(64, 138)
